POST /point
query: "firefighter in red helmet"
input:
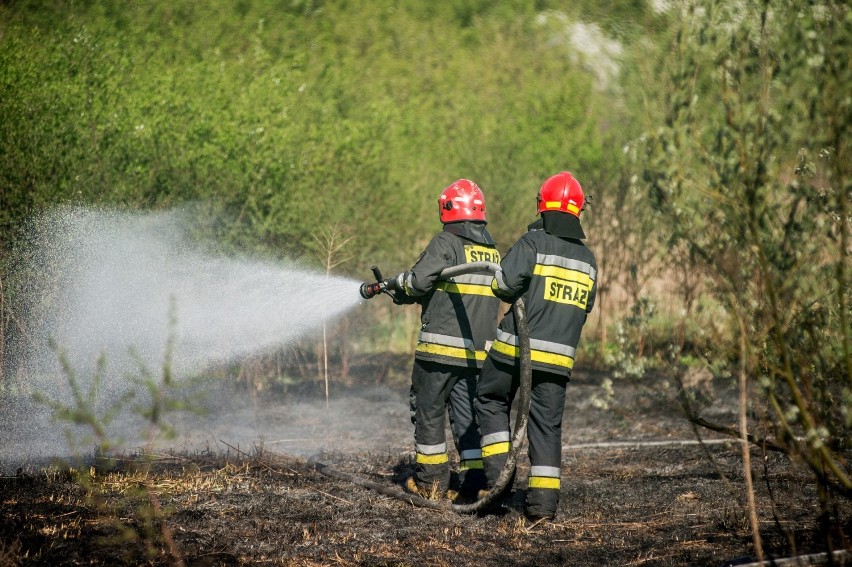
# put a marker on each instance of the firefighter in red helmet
(458, 317)
(555, 274)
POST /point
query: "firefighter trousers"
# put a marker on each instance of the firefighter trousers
(498, 384)
(438, 389)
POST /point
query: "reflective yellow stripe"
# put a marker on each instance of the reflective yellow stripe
(468, 465)
(495, 449)
(506, 348)
(551, 358)
(495, 289)
(438, 459)
(564, 274)
(535, 355)
(463, 288)
(544, 482)
(572, 208)
(454, 352)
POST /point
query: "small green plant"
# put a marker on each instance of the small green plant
(603, 399)
(83, 410)
(149, 525)
(623, 360)
(626, 358)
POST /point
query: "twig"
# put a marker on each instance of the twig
(755, 439)
(333, 496)
(663, 443)
(164, 527)
(235, 449)
(259, 461)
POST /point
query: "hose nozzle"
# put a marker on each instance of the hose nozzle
(369, 290)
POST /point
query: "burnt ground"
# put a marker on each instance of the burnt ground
(637, 490)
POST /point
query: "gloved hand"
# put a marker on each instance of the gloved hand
(501, 294)
(396, 289)
(401, 298)
(397, 283)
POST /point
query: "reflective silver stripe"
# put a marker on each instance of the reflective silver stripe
(568, 263)
(471, 454)
(507, 338)
(556, 348)
(537, 344)
(472, 279)
(552, 472)
(431, 449)
(501, 281)
(408, 284)
(446, 340)
(491, 438)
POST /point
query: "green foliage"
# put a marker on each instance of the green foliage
(622, 357)
(280, 118)
(626, 359)
(750, 168)
(274, 122)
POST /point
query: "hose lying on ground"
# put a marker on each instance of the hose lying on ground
(521, 419)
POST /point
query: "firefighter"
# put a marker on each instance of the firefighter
(555, 274)
(458, 318)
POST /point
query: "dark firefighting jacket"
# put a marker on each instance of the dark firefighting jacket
(556, 277)
(458, 314)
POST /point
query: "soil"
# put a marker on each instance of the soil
(637, 489)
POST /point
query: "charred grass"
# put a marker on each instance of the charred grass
(621, 503)
(661, 506)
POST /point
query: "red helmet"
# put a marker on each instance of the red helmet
(561, 193)
(463, 200)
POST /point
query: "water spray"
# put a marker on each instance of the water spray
(126, 285)
(369, 290)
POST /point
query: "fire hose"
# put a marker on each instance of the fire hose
(523, 410)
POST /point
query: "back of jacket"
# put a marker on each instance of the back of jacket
(556, 277)
(459, 314)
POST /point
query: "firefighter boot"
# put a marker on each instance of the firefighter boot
(429, 492)
(493, 465)
(471, 482)
(541, 503)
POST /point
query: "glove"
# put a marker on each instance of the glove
(396, 289)
(401, 298)
(499, 293)
(399, 282)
